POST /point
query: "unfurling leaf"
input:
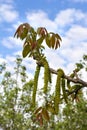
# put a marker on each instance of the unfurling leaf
(42, 31)
(45, 114)
(22, 31)
(53, 40)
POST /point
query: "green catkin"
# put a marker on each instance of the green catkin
(63, 89)
(36, 76)
(57, 90)
(47, 76)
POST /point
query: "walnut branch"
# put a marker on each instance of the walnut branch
(74, 80)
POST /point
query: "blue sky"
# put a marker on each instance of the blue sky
(66, 17)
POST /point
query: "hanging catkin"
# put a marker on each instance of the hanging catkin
(36, 76)
(57, 90)
(47, 76)
(63, 89)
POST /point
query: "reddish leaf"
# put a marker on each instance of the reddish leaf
(53, 40)
(41, 120)
(22, 31)
(45, 114)
(33, 45)
(42, 31)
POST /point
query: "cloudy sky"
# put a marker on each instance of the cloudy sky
(65, 17)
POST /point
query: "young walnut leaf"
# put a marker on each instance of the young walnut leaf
(47, 39)
(26, 50)
(42, 31)
(45, 114)
(22, 31)
(40, 40)
(53, 40)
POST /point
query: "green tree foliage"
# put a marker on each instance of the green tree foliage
(15, 108)
(74, 116)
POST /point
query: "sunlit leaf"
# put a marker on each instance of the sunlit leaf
(22, 31)
(53, 40)
(24, 34)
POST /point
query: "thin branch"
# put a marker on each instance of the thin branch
(77, 80)
(74, 80)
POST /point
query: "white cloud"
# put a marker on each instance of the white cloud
(64, 19)
(54, 59)
(77, 33)
(11, 42)
(40, 18)
(2, 59)
(7, 13)
(68, 17)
